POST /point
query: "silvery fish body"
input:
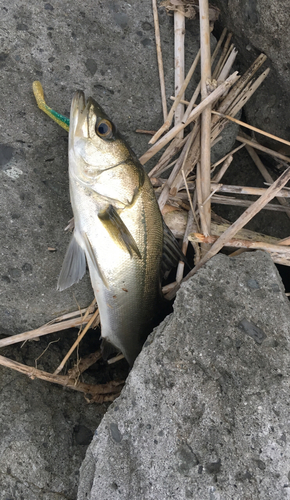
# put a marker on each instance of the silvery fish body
(118, 228)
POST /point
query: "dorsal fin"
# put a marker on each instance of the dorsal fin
(172, 253)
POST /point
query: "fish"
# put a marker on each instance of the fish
(118, 229)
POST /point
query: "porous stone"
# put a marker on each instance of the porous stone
(262, 26)
(205, 410)
(44, 433)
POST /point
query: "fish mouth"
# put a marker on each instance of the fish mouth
(79, 103)
(81, 110)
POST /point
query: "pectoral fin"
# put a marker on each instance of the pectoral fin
(73, 267)
(118, 230)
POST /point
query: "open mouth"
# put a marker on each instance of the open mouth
(79, 113)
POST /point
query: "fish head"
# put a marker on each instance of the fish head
(94, 142)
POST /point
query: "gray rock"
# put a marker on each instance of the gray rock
(262, 26)
(44, 433)
(204, 413)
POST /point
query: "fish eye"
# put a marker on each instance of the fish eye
(104, 129)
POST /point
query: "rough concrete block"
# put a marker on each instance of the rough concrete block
(205, 410)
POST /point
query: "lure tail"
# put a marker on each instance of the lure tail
(57, 117)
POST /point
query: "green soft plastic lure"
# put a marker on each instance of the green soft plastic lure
(61, 120)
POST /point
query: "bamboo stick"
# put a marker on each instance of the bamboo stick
(159, 58)
(239, 223)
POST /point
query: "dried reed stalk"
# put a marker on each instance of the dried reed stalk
(270, 193)
(228, 65)
(178, 99)
(239, 223)
(224, 188)
(191, 103)
(222, 56)
(247, 140)
(280, 254)
(255, 129)
(237, 202)
(142, 131)
(159, 58)
(45, 330)
(179, 32)
(197, 90)
(218, 45)
(193, 116)
(99, 393)
(264, 172)
(223, 168)
(219, 123)
(178, 166)
(246, 125)
(219, 227)
(83, 364)
(94, 319)
(173, 148)
(205, 130)
(189, 227)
